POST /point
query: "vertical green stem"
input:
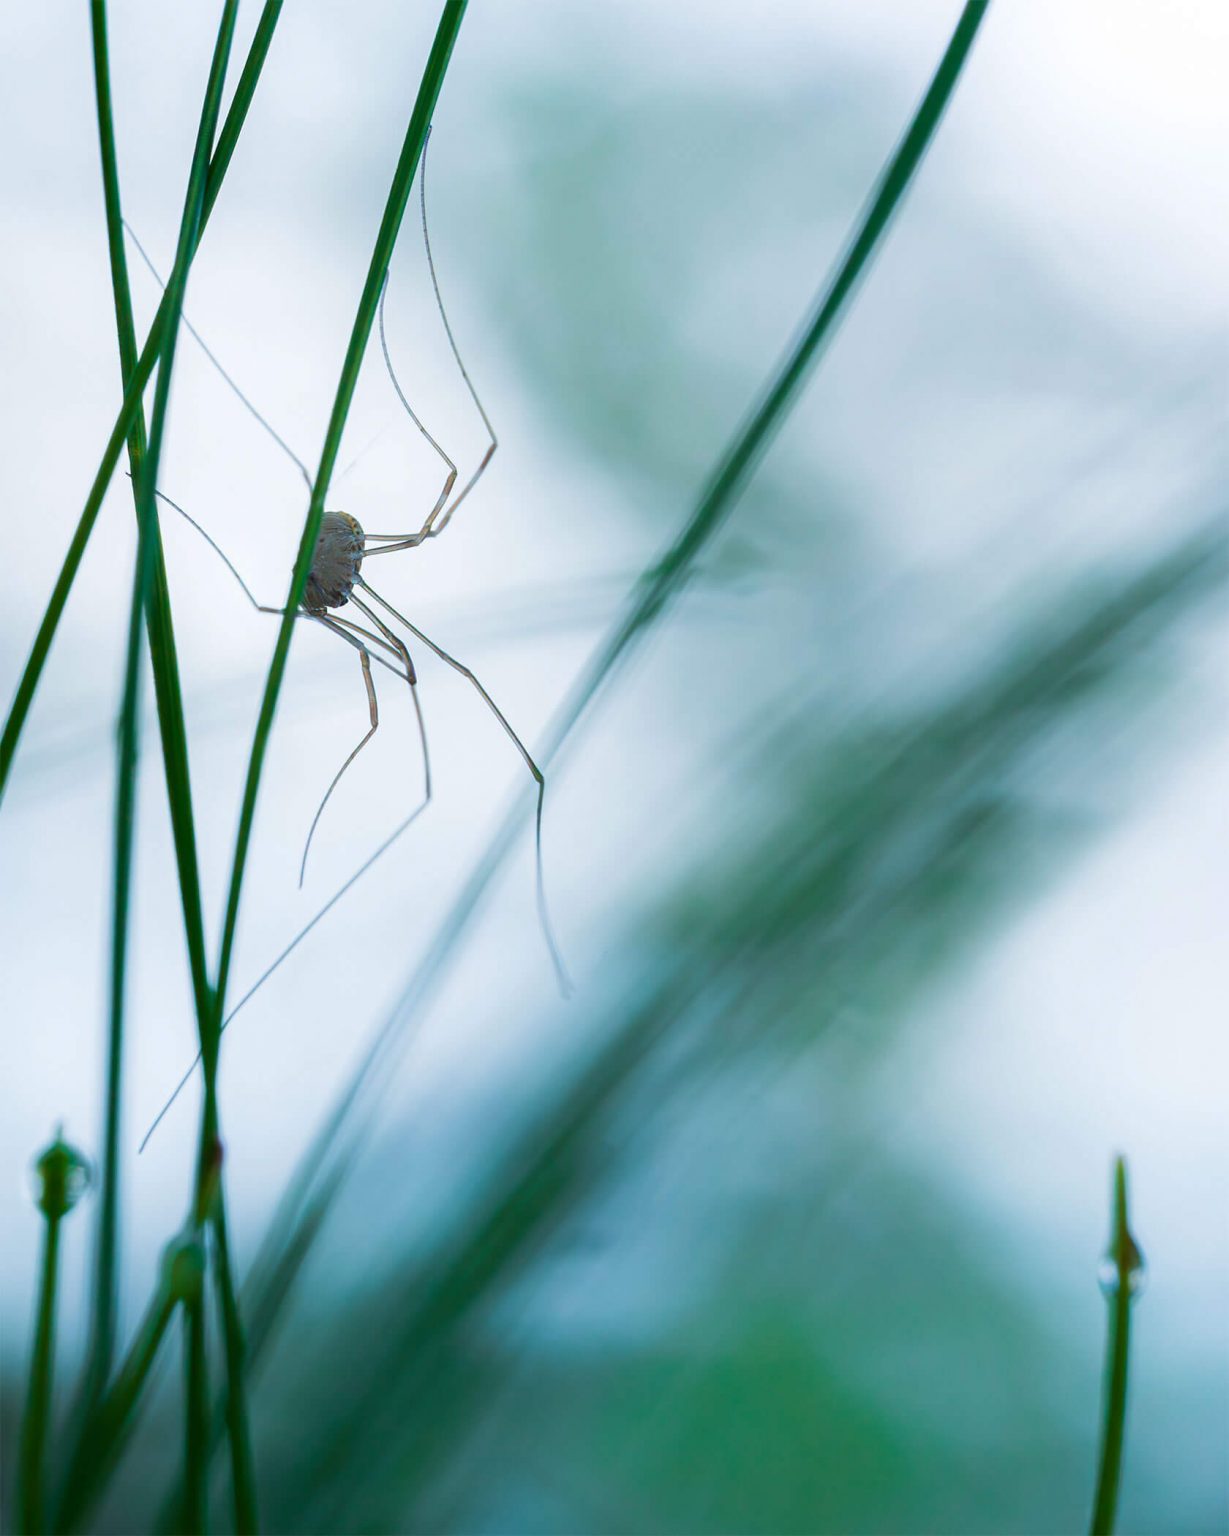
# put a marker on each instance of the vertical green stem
(129, 718)
(196, 1420)
(29, 1501)
(243, 1472)
(1124, 1267)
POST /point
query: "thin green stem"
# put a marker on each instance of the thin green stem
(398, 196)
(128, 730)
(196, 1420)
(1123, 1268)
(243, 1473)
(133, 392)
(652, 594)
(196, 1386)
(105, 1301)
(163, 652)
(29, 1501)
(174, 744)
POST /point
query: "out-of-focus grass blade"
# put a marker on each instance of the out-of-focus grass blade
(937, 818)
(661, 583)
(130, 406)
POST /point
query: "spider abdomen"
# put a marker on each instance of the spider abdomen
(335, 564)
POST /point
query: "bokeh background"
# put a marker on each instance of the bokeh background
(892, 875)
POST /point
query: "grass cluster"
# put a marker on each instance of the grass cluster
(60, 1491)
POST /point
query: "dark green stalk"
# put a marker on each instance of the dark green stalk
(29, 1501)
(129, 407)
(129, 708)
(663, 581)
(174, 744)
(196, 1385)
(1121, 1277)
(128, 730)
(102, 1336)
(163, 652)
(390, 225)
(196, 1426)
(243, 1474)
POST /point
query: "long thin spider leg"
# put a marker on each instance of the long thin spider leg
(450, 478)
(221, 554)
(303, 932)
(411, 676)
(373, 710)
(361, 639)
(398, 648)
(565, 983)
(469, 383)
(440, 513)
(204, 346)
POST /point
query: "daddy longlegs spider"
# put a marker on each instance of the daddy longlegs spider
(342, 547)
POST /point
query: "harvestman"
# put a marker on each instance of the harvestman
(342, 546)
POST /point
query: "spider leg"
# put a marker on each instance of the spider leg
(370, 639)
(441, 513)
(200, 341)
(221, 554)
(373, 708)
(539, 778)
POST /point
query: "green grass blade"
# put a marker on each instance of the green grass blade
(105, 1298)
(243, 1474)
(390, 225)
(147, 512)
(195, 1516)
(227, 139)
(662, 582)
(30, 1460)
(128, 745)
(163, 651)
(1123, 1267)
(164, 662)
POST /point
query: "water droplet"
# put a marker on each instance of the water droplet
(1136, 1271)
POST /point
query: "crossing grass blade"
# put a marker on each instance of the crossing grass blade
(228, 139)
(168, 693)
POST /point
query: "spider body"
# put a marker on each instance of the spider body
(336, 563)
